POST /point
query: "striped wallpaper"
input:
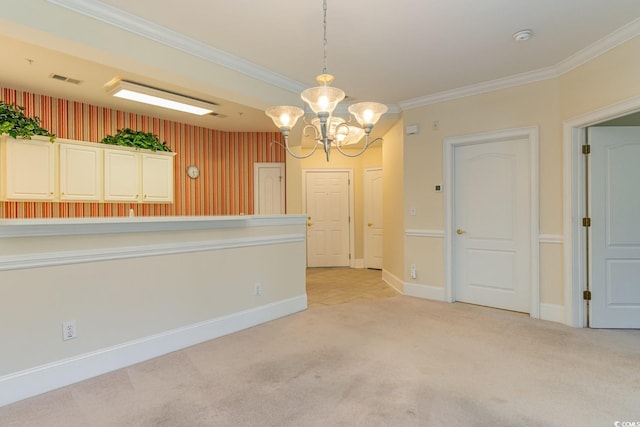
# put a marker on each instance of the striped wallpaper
(225, 159)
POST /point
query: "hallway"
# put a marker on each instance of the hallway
(333, 286)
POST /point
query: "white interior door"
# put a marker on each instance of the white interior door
(327, 204)
(615, 229)
(373, 229)
(491, 264)
(269, 189)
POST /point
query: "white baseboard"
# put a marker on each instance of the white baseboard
(552, 312)
(424, 291)
(34, 381)
(394, 281)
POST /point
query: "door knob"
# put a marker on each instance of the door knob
(460, 231)
(309, 224)
(370, 224)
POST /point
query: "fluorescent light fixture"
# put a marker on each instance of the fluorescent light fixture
(161, 98)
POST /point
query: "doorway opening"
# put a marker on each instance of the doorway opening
(576, 200)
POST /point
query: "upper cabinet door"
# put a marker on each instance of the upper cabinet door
(121, 175)
(29, 167)
(157, 178)
(80, 172)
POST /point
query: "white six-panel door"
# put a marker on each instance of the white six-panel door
(327, 205)
(615, 227)
(373, 229)
(492, 256)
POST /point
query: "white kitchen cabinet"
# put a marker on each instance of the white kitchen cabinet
(157, 177)
(136, 176)
(121, 175)
(80, 172)
(28, 168)
(69, 170)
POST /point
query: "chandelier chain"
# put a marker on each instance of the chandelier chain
(324, 41)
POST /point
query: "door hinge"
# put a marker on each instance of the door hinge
(349, 257)
(349, 220)
(586, 295)
(586, 149)
(586, 222)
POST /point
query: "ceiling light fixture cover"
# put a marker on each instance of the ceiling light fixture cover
(158, 97)
(329, 130)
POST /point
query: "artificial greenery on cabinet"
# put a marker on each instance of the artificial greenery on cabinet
(136, 139)
(15, 123)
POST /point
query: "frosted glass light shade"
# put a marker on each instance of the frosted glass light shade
(342, 135)
(322, 98)
(284, 116)
(368, 113)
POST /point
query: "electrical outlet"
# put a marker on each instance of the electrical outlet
(413, 272)
(69, 330)
(258, 289)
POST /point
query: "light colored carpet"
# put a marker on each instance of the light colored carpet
(396, 361)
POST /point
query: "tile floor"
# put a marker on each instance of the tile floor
(332, 286)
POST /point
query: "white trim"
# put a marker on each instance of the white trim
(139, 26)
(585, 55)
(573, 134)
(436, 293)
(392, 280)
(358, 263)
(152, 31)
(551, 238)
(352, 232)
(477, 89)
(552, 312)
(34, 381)
(77, 226)
(531, 133)
(424, 233)
(48, 259)
(605, 44)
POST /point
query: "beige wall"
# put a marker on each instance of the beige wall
(610, 78)
(393, 194)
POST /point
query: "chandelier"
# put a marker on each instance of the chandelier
(328, 130)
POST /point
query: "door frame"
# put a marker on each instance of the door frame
(573, 136)
(352, 247)
(364, 210)
(449, 145)
(256, 186)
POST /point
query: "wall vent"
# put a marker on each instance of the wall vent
(65, 79)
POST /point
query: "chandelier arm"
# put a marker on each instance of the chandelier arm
(359, 153)
(291, 153)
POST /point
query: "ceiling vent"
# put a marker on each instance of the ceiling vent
(65, 79)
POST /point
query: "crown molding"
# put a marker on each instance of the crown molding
(142, 27)
(610, 41)
(136, 25)
(605, 44)
(490, 86)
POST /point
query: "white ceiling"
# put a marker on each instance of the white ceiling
(402, 53)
